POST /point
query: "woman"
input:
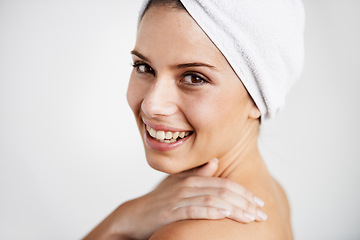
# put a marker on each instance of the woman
(199, 87)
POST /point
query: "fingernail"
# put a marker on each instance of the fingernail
(216, 160)
(258, 201)
(249, 216)
(261, 215)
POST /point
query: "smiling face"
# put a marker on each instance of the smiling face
(189, 104)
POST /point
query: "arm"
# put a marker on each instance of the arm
(190, 195)
(277, 227)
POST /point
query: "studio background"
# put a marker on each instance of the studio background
(70, 151)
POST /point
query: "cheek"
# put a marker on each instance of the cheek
(216, 110)
(219, 118)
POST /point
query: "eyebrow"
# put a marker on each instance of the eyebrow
(195, 64)
(136, 53)
(179, 66)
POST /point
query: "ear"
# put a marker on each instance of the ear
(254, 112)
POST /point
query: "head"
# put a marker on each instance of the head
(182, 83)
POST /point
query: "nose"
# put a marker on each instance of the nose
(160, 99)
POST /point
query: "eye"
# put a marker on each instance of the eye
(143, 68)
(194, 79)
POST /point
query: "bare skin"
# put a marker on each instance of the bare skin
(253, 175)
(182, 83)
(225, 103)
(141, 217)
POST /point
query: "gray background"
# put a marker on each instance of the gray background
(69, 148)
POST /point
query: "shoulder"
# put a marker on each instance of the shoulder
(212, 230)
(276, 227)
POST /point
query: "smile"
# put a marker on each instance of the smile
(166, 136)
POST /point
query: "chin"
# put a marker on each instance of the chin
(165, 164)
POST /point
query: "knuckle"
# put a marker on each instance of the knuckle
(218, 213)
(251, 208)
(223, 193)
(241, 215)
(247, 206)
(213, 213)
(209, 200)
(191, 212)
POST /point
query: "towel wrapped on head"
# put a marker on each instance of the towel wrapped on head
(261, 39)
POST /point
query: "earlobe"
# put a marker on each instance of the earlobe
(254, 112)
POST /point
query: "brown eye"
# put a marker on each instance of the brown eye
(193, 79)
(146, 69)
(143, 68)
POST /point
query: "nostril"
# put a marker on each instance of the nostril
(158, 107)
(160, 99)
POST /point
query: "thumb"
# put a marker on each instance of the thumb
(206, 170)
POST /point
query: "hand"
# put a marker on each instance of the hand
(193, 194)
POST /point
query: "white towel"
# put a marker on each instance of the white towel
(261, 39)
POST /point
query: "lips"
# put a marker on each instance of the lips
(164, 138)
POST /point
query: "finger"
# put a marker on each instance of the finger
(217, 197)
(260, 215)
(199, 212)
(234, 212)
(204, 201)
(241, 216)
(206, 170)
(225, 184)
(204, 212)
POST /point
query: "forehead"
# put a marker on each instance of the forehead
(174, 35)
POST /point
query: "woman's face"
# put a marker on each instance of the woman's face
(189, 104)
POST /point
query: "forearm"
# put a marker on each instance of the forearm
(192, 194)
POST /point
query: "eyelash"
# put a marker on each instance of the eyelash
(203, 79)
(136, 65)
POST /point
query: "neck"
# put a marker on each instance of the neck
(244, 158)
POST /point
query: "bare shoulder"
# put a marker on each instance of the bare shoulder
(211, 230)
(276, 227)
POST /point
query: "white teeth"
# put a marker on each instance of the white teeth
(160, 135)
(152, 132)
(175, 135)
(166, 137)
